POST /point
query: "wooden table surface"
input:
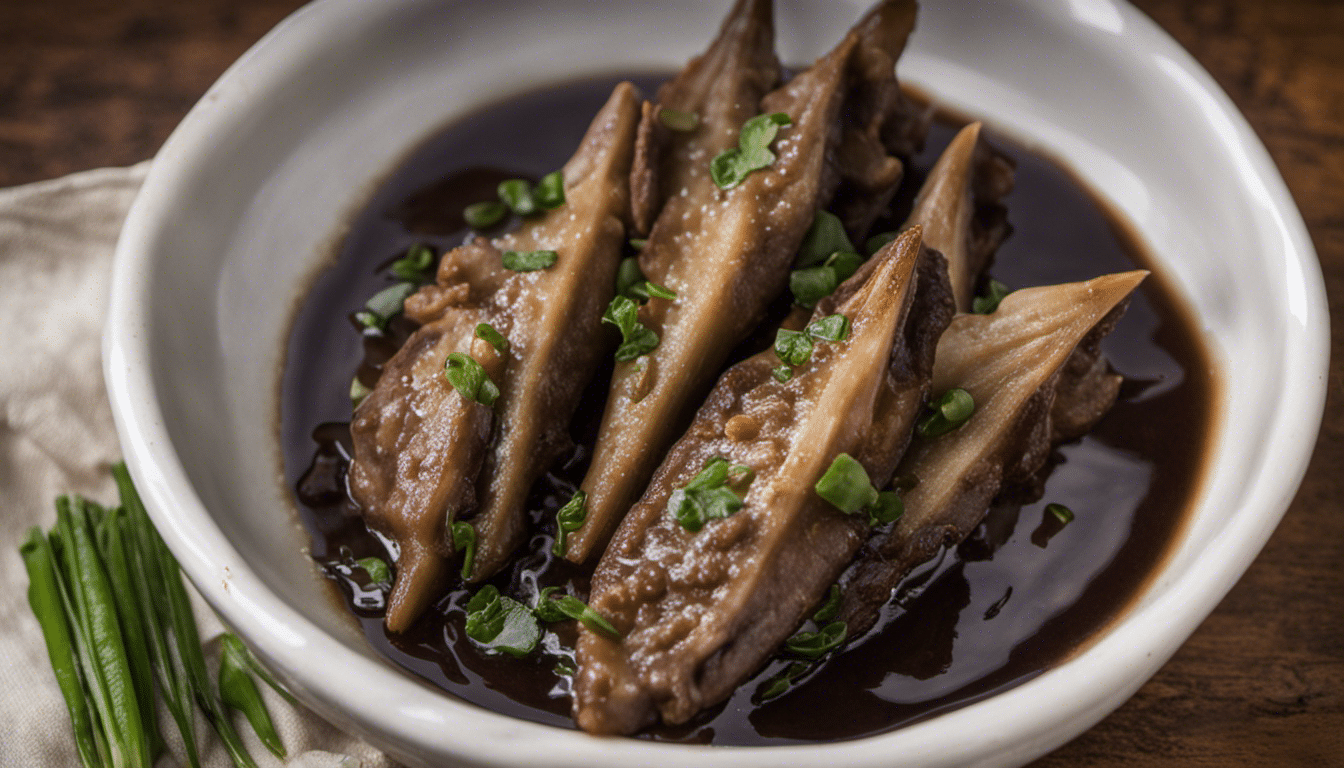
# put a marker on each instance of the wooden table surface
(87, 83)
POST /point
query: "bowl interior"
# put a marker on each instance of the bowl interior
(251, 194)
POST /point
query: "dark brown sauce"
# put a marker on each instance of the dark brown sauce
(1018, 597)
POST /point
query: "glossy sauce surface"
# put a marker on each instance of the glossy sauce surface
(1019, 596)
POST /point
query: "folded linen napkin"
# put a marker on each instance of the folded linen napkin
(57, 436)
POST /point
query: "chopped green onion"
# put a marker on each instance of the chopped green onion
(517, 194)
(879, 241)
(416, 264)
(740, 475)
(830, 328)
(369, 321)
(846, 485)
(464, 541)
(484, 214)
(550, 191)
(752, 152)
(657, 291)
(636, 339)
(830, 608)
(792, 347)
(782, 373)
(529, 261)
(777, 685)
(825, 237)
(946, 413)
(551, 610)
(677, 120)
(888, 509)
(1060, 512)
(708, 496)
(638, 243)
(989, 302)
(496, 339)
(564, 668)
(628, 276)
(358, 392)
(814, 645)
(384, 305)
(377, 569)
(845, 264)
(469, 378)
(568, 519)
(500, 623)
(812, 284)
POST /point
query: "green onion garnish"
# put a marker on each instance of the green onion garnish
(638, 243)
(517, 194)
(550, 191)
(500, 623)
(636, 339)
(752, 152)
(628, 276)
(569, 519)
(814, 645)
(777, 685)
(847, 487)
(812, 284)
(678, 120)
(469, 378)
(825, 237)
(464, 541)
(384, 305)
(825, 259)
(830, 608)
(946, 413)
(529, 261)
(358, 392)
(484, 214)
(377, 570)
(551, 610)
(416, 265)
(708, 496)
(830, 328)
(888, 509)
(657, 291)
(1060, 512)
(782, 373)
(792, 347)
(989, 302)
(493, 337)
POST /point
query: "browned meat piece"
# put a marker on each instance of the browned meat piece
(1035, 359)
(959, 208)
(726, 253)
(424, 455)
(645, 197)
(699, 612)
(418, 448)
(878, 125)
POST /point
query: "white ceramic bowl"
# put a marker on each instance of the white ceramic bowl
(252, 190)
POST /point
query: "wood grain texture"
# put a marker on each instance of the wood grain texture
(86, 83)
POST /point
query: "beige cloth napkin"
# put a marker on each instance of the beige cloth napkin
(56, 241)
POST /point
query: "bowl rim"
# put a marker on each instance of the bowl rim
(1085, 687)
